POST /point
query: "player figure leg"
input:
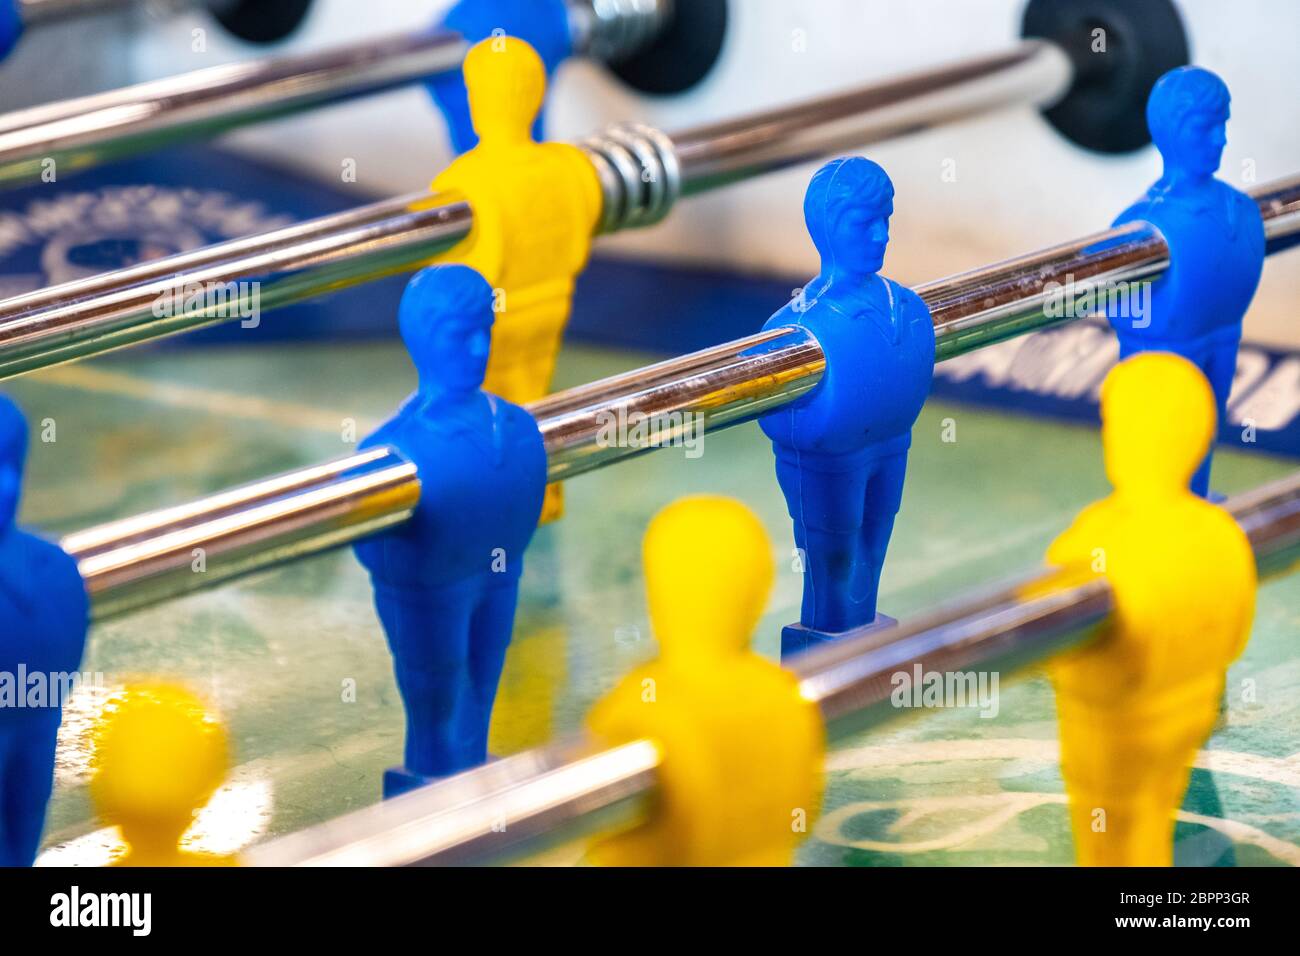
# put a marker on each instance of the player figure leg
(884, 496)
(429, 639)
(826, 507)
(490, 631)
(27, 747)
(1130, 816)
(1218, 360)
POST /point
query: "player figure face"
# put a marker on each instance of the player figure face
(460, 354)
(860, 238)
(1198, 148)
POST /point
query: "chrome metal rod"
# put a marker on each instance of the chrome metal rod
(237, 280)
(1011, 298)
(588, 427)
(78, 319)
(563, 791)
(35, 13)
(675, 401)
(1035, 72)
(90, 130)
(167, 553)
(537, 800)
(1279, 202)
(989, 305)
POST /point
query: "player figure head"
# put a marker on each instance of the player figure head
(708, 573)
(1157, 422)
(1187, 113)
(847, 209)
(506, 82)
(13, 454)
(159, 755)
(446, 323)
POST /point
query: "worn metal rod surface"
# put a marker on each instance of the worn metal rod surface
(233, 281)
(79, 319)
(91, 130)
(1011, 298)
(570, 789)
(164, 554)
(35, 13)
(675, 401)
(593, 425)
(1032, 73)
(1279, 204)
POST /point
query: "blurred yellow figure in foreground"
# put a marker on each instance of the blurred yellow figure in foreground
(159, 755)
(741, 750)
(1137, 702)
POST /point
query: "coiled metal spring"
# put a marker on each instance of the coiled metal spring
(614, 30)
(639, 174)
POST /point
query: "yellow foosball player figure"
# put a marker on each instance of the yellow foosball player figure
(1137, 702)
(536, 206)
(740, 774)
(159, 756)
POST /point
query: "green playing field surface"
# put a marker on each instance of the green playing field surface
(279, 654)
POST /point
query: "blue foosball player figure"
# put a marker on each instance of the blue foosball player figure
(44, 615)
(1215, 237)
(841, 451)
(447, 581)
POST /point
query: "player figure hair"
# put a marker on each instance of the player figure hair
(1184, 92)
(464, 301)
(464, 296)
(849, 182)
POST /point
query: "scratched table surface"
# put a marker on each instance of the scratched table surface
(277, 653)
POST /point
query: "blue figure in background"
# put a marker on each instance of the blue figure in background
(1215, 237)
(545, 24)
(447, 581)
(11, 26)
(44, 615)
(841, 451)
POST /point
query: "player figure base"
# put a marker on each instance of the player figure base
(399, 780)
(795, 638)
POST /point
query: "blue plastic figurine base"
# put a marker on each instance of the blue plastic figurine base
(399, 780)
(795, 638)
(544, 24)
